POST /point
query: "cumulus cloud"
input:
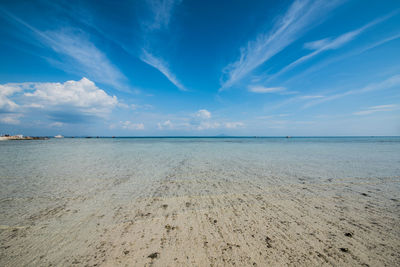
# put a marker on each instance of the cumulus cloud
(233, 125)
(83, 95)
(204, 125)
(165, 125)
(128, 125)
(198, 121)
(6, 104)
(10, 119)
(203, 114)
(71, 101)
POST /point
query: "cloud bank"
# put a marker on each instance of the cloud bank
(71, 99)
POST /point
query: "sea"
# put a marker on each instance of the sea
(35, 172)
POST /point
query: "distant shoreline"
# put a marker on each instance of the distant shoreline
(2, 138)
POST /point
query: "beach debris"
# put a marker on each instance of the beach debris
(169, 227)
(348, 234)
(365, 194)
(215, 221)
(13, 228)
(165, 206)
(344, 250)
(268, 242)
(153, 255)
(126, 252)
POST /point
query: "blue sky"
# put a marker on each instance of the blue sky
(136, 68)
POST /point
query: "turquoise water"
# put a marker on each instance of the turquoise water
(66, 166)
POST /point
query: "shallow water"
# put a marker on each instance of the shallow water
(65, 166)
(63, 197)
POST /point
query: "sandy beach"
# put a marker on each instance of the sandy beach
(201, 214)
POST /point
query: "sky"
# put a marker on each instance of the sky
(200, 68)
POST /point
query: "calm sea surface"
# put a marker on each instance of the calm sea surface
(72, 167)
(35, 167)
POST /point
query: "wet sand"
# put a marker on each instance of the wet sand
(212, 222)
(170, 207)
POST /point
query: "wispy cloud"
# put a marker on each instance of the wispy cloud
(264, 90)
(374, 109)
(161, 66)
(391, 82)
(301, 16)
(161, 11)
(330, 44)
(81, 56)
(128, 125)
(355, 52)
(90, 59)
(311, 96)
(199, 121)
(160, 16)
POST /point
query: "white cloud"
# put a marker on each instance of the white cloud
(161, 11)
(300, 17)
(204, 125)
(391, 82)
(330, 44)
(161, 66)
(10, 119)
(264, 90)
(317, 66)
(203, 114)
(383, 106)
(57, 124)
(71, 101)
(90, 59)
(6, 91)
(233, 125)
(82, 95)
(374, 109)
(81, 55)
(128, 125)
(198, 121)
(165, 125)
(317, 44)
(311, 96)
